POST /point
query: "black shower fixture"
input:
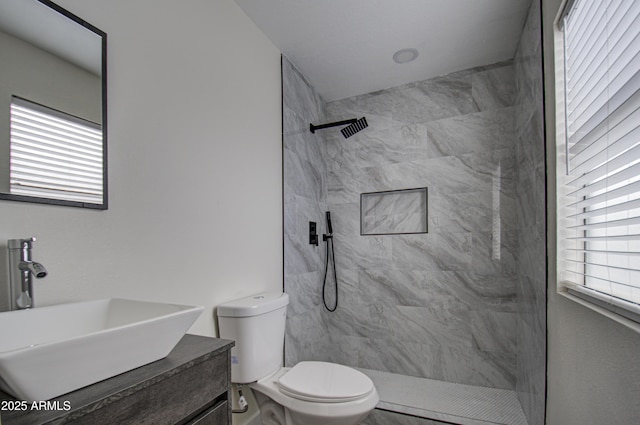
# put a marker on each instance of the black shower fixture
(352, 126)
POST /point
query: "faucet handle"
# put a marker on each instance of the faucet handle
(21, 243)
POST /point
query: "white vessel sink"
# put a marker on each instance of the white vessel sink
(49, 351)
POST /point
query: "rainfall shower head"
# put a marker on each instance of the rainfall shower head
(352, 126)
(352, 129)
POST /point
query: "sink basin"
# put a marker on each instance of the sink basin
(49, 351)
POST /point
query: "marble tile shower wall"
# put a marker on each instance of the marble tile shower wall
(440, 305)
(305, 199)
(530, 196)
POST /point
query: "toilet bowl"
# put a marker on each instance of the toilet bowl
(318, 393)
(309, 393)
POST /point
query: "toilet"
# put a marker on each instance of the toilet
(309, 393)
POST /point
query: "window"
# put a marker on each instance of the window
(599, 195)
(54, 155)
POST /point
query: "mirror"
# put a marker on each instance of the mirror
(53, 142)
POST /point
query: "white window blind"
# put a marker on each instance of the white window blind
(54, 155)
(601, 209)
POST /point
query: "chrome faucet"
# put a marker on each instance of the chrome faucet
(22, 269)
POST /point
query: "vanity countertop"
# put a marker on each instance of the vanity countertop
(147, 387)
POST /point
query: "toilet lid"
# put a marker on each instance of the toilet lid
(325, 383)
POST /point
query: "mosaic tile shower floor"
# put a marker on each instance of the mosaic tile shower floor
(441, 401)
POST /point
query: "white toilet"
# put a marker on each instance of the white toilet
(310, 393)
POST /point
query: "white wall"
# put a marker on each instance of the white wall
(593, 361)
(195, 204)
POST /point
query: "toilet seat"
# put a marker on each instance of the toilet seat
(323, 382)
(315, 410)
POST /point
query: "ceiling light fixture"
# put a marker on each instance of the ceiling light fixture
(405, 55)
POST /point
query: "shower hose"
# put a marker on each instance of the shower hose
(328, 239)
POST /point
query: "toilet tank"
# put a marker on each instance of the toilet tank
(256, 323)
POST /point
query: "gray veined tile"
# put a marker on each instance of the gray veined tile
(392, 203)
(489, 292)
(494, 331)
(395, 223)
(493, 252)
(292, 124)
(345, 350)
(346, 183)
(531, 205)
(530, 332)
(493, 171)
(300, 257)
(448, 174)
(404, 357)
(362, 252)
(298, 95)
(530, 40)
(444, 251)
(397, 142)
(378, 104)
(472, 133)
(433, 99)
(473, 367)
(431, 325)
(424, 325)
(349, 292)
(460, 212)
(346, 219)
(443, 321)
(392, 287)
(308, 322)
(306, 146)
(318, 349)
(304, 291)
(494, 88)
(530, 140)
(491, 211)
(529, 80)
(302, 176)
(531, 253)
(306, 337)
(290, 211)
(309, 209)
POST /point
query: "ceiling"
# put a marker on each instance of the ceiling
(346, 47)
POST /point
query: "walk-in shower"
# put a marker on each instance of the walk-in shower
(462, 303)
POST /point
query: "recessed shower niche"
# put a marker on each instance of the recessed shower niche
(394, 212)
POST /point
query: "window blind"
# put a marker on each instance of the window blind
(601, 209)
(54, 155)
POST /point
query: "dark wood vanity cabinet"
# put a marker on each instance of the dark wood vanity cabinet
(190, 386)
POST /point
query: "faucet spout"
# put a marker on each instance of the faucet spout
(36, 269)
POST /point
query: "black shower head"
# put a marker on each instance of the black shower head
(355, 127)
(352, 126)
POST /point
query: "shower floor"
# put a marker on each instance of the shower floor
(445, 401)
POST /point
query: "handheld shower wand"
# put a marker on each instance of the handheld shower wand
(329, 227)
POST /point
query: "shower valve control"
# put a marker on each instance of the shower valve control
(313, 233)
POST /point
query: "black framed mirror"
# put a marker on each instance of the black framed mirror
(53, 106)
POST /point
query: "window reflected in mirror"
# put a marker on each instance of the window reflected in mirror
(54, 154)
